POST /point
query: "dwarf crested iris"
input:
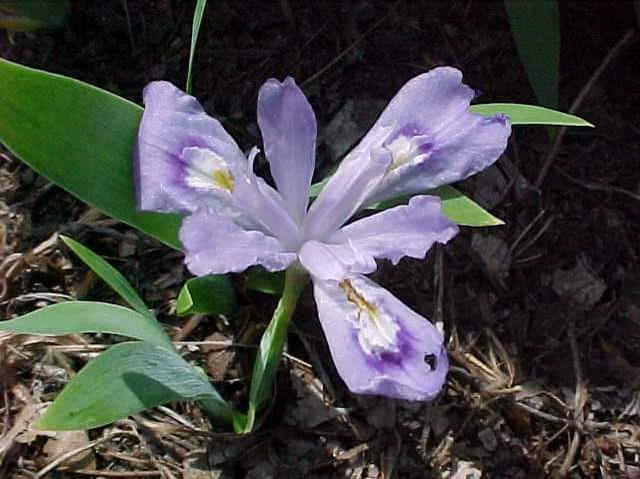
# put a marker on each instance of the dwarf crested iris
(426, 137)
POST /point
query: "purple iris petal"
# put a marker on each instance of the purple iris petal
(432, 136)
(406, 230)
(343, 194)
(173, 126)
(378, 344)
(214, 244)
(266, 207)
(334, 261)
(288, 127)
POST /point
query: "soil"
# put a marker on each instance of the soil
(542, 315)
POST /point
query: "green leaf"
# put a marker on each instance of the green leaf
(75, 317)
(195, 30)
(462, 210)
(210, 294)
(127, 379)
(530, 114)
(79, 137)
(272, 344)
(536, 29)
(259, 279)
(456, 206)
(109, 274)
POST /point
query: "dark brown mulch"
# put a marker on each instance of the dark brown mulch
(543, 313)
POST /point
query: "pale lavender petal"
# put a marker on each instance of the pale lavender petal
(467, 146)
(343, 194)
(431, 135)
(406, 230)
(379, 345)
(288, 127)
(214, 244)
(334, 261)
(265, 206)
(179, 148)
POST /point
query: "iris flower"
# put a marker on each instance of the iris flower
(426, 137)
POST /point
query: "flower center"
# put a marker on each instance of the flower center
(406, 149)
(377, 330)
(206, 170)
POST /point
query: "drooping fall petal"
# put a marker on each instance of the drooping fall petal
(184, 159)
(379, 345)
(432, 137)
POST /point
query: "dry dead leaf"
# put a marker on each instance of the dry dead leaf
(64, 442)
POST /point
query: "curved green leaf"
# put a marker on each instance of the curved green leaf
(530, 114)
(212, 294)
(127, 379)
(79, 137)
(195, 30)
(109, 274)
(456, 206)
(259, 279)
(536, 29)
(75, 317)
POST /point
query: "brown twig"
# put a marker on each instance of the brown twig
(68, 455)
(626, 38)
(579, 402)
(86, 472)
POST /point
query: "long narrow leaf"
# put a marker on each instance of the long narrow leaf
(75, 317)
(79, 137)
(535, 26)
(109, 274)
(195, 30)
(127, 379)
(521, 115)
(456, 206)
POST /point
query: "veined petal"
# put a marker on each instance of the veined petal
(431, 135)
(379, 345)
(265, 207)
(184, 159)
(343, 194)
(214, 244)
(465, 147)
(288, 127)
(406, 230)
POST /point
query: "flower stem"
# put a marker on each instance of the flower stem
(272, 343)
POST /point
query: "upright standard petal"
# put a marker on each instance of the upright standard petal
(214, 244)
(343, 195)
(288, 127)
(431, 136)
(184, 159)
(378, 344)
(265, 207)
